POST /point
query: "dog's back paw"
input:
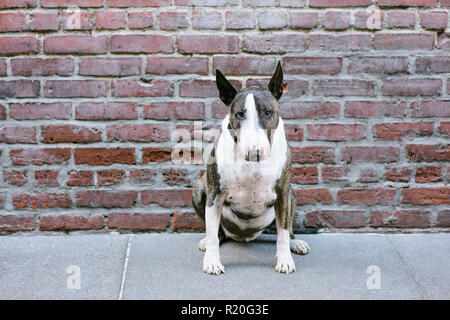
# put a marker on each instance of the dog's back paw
(299, 246)
(202, 244)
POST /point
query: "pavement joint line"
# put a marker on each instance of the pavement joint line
(125, 266)
(422, 291)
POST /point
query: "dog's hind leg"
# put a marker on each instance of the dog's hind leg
(297, 246)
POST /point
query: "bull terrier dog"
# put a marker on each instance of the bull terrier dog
(247, 184)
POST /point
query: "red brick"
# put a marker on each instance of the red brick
(41, 111)
(335, 20)
(202, 88)
(296, 87)
(305, 175)
(15, 222)
(69, 133)
(398, 174)
(336, 219)
(156, 155)
(133, 88)
(400, 219)
(336, 132)
(245, 65)
(403, 41)
(44, 21)
(401, 19)
(111, 20)
(339, 3)
(311, 65)
(18, 45)
(428, 174)
(344, 87)
(272, 20)
(434, 20)
(375, 109)
(350, 42)
(142, 176)
(138, 132)
(138, 3)
(426, 196)
(428, 153)
(238, 20)
(445, 3)
(368, 197)
(303, 20)
(334, 174)
(48, 178)
(13, 134)
(44, 200)
(398, 131)
(369, 154)
(368, 175)
(444, 128)
(176, 177)
(173, 20)
(104, 156)
(279, 43)
(407, 3)
(388, 65)
(75, 88)
(207, 3)
(80, 178)
(208, 43)
(18, 3)
(313, 154)
(140, 20)
(69, 3)
(106, 111)
(106, 198)
(15, 177)
(75, 44)
(3, 68)
(177, 65)
(309, 110)
(67, 222)
(174, 110)
(19, 88)
(139, 221)
(206, 20)
(114, 67)
(42, 66)
(293, 132)
(443, 217)
(110, 177)
(436, 64)
(12, 21)
(167, 198)
(411, 87)
(154, 43)
(187, 221)
(76, 20)
(20, 157)
(219, 110)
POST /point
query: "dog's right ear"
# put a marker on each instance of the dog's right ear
(226, 90)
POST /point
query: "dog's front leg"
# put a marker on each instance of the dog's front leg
(211, 259)
(285, 262)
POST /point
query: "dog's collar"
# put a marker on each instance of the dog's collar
(233, 134)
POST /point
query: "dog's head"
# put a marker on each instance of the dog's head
(254, 114)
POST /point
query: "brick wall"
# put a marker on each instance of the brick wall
(91, 97)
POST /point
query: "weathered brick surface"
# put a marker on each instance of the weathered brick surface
(98, 105)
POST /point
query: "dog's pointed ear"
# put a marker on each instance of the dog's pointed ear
(226, 90)
(276, 83)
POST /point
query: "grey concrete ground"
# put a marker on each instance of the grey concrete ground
(168, 266)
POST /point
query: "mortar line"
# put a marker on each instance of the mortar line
(125, 267)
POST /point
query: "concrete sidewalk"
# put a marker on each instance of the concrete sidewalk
(168, 266)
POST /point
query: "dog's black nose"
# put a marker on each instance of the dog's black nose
(253, 155)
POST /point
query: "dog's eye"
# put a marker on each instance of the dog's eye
(240, 115)
(268, 113)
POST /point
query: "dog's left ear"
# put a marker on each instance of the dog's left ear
(276, 83)
(226, 90)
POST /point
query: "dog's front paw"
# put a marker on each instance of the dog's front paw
(202, 244)
(299, 247)
(285, 263)
(212, 264)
